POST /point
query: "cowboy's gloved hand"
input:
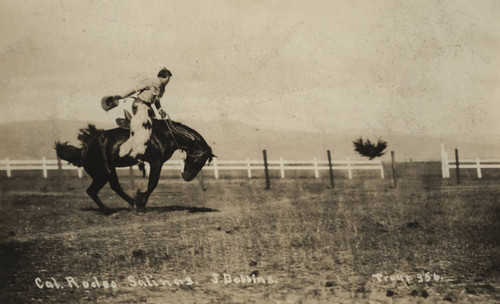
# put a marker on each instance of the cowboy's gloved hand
(163, 114)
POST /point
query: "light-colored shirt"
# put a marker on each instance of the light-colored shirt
(150, 90)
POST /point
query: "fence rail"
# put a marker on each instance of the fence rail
(469, 163)
(216, 166)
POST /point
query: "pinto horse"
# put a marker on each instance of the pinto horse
(99, 156)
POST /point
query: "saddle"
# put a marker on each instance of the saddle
(124, 123)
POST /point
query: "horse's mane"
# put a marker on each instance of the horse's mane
(86, 134)
(182, 128)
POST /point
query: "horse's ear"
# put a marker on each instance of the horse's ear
(210, 157)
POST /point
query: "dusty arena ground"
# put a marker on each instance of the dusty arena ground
(427, 241)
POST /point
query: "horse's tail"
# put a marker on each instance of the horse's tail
(69, 153)
(73, 154)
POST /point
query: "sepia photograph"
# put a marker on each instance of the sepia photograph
(249, 151)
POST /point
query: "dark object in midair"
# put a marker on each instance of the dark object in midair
(368, 149)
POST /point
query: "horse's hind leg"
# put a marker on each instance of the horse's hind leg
(141, 198)
(115, 185)
(97, 183)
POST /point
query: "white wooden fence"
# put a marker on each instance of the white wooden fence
(44, 164)
(476, 163)
(216, 166)
(294, 165)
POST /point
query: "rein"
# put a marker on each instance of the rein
(168, 122)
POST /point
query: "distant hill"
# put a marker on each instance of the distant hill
(236, 140)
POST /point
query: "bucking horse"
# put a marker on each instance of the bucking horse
(99, 156)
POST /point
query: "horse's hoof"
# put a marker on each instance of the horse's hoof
(138, 197)
(140, 208)
(140, 201)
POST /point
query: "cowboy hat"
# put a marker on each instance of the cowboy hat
(110, 102)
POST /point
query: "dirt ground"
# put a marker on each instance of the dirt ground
(426, 241)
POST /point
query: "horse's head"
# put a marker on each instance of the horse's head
(198, 152)
(194, 162)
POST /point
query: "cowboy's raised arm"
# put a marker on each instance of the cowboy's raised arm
(141, 86)
(128, 93)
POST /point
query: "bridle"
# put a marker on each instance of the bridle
(199, 155)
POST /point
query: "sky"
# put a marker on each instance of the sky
(430, 68)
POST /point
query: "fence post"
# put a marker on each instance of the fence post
(446, 165)
(216, 169)
(80, 173)
(7, 167)
(200, 178)
(59, 168)
(457, 165)
(478, 164)
(131, 174)
(44, 167)
(282, 168)
(330, 166)
(266, 170)
(316, 171)
(349, 170)
(249, 168)
(443, 159)
(382, 170)
(393, 162)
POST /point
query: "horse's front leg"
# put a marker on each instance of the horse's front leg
(141, 198)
